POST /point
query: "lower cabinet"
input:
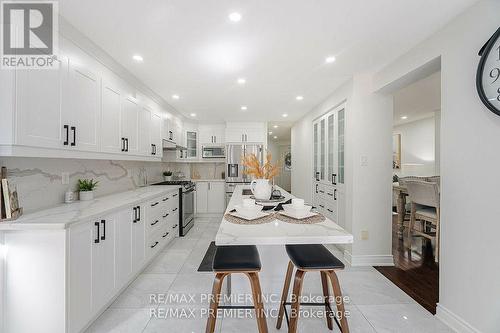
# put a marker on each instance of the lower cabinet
(106, 253)
(210, 197)
(326, 200)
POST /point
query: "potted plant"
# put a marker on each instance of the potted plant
(86, 188)
(167, 175)
(263, 173)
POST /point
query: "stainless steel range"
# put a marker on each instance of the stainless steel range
(186, 204)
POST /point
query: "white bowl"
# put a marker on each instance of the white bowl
(297, 211)
(248, 211)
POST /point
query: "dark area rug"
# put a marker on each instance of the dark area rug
(206, 263)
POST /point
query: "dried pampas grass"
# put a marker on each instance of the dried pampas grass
(266, 171)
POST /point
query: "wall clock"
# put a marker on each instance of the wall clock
(488, 74)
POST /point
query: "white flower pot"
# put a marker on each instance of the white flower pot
(86, 195)
(167, 178)
(261, 189)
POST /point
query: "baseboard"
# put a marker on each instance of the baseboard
(369, 260)
(453, 321)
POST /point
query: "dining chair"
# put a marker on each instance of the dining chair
(425, 207)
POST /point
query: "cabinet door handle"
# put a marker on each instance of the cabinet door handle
(316, 188)
(165, 215)
(139, 213)
(135, 215)
(103, 222)
(317, 176)
(335, 194)
(126, 144)
(156, 243)
(123, 144)
(334, 179)
(155, 222)
(73, 129)
(66, 142)
(156, 203)
(166, 234)
(170, 135)
(209, 187)
(96, 240)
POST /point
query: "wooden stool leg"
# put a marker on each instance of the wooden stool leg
(297, 289)
(284, 294)
(326, 293)
(338, 299)
(257, 302)
(214, 302)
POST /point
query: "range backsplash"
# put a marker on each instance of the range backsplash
(39, 180)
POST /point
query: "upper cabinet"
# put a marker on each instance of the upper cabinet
(80, 110)
(212, 134)
(246, 133)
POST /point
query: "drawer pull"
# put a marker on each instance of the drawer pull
(328, 209)
(156, 243)
(330, 194)
(174, 209)
(321, 191)
(174, 195)
(322, 206)
(165, 199)
(175, 226)
(154, 222)
(166, 234)
(156, 203)
(165, 215)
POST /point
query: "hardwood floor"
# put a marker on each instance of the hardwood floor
(415, 271)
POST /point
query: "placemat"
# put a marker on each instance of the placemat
(262, 220)
(310, 220)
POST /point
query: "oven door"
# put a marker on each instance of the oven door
(187, 211)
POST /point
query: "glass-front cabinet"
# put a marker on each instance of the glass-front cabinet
(328, 161)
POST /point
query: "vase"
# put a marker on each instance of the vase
(261, 189)
(167, 178)
(86, 195)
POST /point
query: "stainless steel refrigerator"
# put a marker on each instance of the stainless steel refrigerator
(235, 171)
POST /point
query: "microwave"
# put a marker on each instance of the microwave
(213, 152)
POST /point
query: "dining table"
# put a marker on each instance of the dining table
(271, 237)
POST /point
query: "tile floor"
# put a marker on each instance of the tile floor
(376, 304)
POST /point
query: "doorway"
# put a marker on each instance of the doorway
(416, 159)
(278, 144)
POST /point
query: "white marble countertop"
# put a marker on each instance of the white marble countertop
(208, 180)
(60, 217)
(278, 232)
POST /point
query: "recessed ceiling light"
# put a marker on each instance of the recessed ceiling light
(404, 117)
(175, 96)
(235, 17)
(193, 114)
(284, 115)
(275, 137)
(275, 126)
(270, 133)
(138, 58)
(244, 108)
(242, 80)
(299, 98)
(330, 59)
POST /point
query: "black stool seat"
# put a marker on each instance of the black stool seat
(313, 256)
(236, 258)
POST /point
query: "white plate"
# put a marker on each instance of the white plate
(249, 217)
(298, 217)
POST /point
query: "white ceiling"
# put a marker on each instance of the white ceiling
(190, 47)
(418, 100)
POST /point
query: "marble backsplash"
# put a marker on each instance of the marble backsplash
(39, 180)
(208, 170)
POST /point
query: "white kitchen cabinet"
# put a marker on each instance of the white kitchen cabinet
(123, 239)
(111, 118)
(130, 119)
(81, 242)
(212, 134)
(156, 135)
(103, 262)
(328, 163)
(83, 107)
(216, 197)
(39, 107)
(144, 124)
(138, 237)
(210, 197)
(202, 197)
(245, 132)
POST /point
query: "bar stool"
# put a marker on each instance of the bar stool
(236, 259)
(312, 258)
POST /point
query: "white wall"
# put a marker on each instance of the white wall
(469, 289)
(418, 156)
